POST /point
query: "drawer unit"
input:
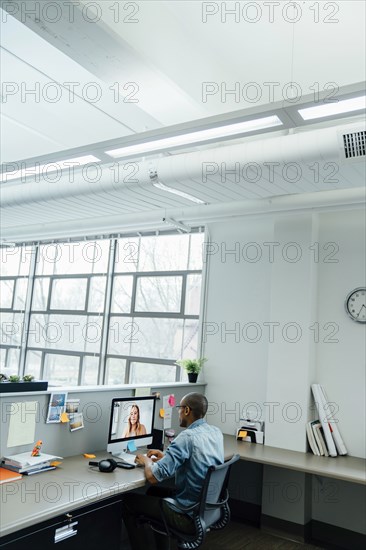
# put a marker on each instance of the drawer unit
(91, 527)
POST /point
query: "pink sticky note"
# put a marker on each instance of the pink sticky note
(171, 400)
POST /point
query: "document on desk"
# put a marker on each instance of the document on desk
(22, 423)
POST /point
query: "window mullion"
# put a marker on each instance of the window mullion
(27, 310)
(107, 312)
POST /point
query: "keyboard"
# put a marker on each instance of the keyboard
(129, 458)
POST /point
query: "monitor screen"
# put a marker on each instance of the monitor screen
(132, 418)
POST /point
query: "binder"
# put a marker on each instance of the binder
(317, 438)
(311, 439)
(339, 443)
(318, 398)
(318, 432)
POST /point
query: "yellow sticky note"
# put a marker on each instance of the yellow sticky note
(242, 433)
(64, 417)
(88, 455)
(162, 413)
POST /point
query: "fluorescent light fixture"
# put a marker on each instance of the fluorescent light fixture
(7, 243)
(177, 225)
(196, 137)
(39, 169)
(336, 108)
(179, 193)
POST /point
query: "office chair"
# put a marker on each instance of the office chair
(211, 512)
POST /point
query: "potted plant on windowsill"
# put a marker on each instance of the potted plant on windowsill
(192, 366)
(13, 383)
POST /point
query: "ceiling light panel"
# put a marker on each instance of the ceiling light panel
(44, 169)
(333, 108)
(200, 136)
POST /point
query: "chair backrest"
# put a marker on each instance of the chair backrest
(212, 510)
(214, 491)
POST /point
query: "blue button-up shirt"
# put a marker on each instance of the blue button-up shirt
(189, 457)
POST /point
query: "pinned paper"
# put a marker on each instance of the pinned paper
(72, 406)
(64, 417)
(168, 419)
(167, 399)
(76, 422)
(22, 423)
(141, 392)
(162, 413)
(171, 400)
(131, 446)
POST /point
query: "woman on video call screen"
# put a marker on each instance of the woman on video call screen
(134, 427)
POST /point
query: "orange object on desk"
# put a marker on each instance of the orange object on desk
(8, 475)
(37, 448)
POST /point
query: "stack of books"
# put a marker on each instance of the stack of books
(24, 463)
(315, 434)
(323, 434)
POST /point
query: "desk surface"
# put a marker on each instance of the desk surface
(40, 497)
(346, 468)
(74, 484)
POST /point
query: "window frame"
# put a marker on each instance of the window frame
(106, 313)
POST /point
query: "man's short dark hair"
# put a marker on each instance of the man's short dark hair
(197, 402)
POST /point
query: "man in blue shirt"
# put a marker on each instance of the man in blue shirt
(188, 458)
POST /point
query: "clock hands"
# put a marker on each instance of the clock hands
(362, 307)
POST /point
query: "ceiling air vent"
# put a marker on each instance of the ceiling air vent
(354, 144)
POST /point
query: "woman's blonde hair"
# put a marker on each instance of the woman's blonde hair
(137, 425)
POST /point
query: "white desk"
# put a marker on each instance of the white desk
(346, 468)
(73, 485)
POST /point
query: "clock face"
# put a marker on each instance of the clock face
(356, 305)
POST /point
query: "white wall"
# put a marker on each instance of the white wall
(238, 293)
(307, 293)
(341, 365)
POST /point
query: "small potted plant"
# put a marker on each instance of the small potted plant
(192, 367)
(14, 383)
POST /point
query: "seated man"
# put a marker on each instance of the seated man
(188, 458)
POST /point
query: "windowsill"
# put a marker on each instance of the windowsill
(86, 389)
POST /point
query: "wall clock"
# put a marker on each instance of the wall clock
(356, 304)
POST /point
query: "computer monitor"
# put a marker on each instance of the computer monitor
(132, 419)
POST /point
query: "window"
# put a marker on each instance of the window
(67, 312)
(14, 277)
(155, 304)
(110, 311)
